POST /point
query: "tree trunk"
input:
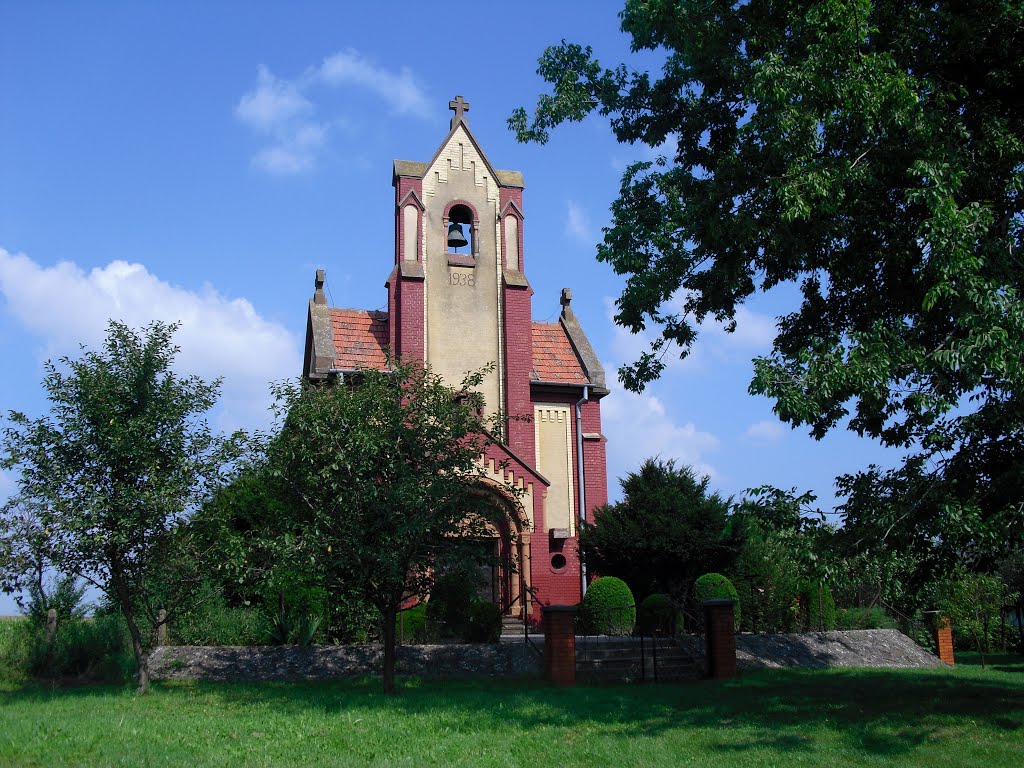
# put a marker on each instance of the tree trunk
(389, 649)
(141, 659)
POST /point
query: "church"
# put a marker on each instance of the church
(458, 299)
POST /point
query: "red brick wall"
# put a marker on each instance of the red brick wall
(563, 587)
(720, 638)
(408, 319)
(560, 645)
(943, 634)
(518, 364)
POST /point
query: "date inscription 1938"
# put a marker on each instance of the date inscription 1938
(462, 279)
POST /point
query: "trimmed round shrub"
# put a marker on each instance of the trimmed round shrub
(658, 615)
(820, 607)
(608, 607)
(715, 586)
(484, 623)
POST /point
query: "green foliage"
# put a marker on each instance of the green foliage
(211, 621)
(864, 618)
(65, 598)
(449, 607)
(768, 583)
(16, 643)
(608, 607)
(668, 529)
(377, 474)
(971, 602)
(658, 615)
(819, 607)
(871, 155)
(124, 456)
(411, 625)
(293, 629)
(483, 624)
(715, 586)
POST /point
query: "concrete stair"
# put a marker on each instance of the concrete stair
(626, 659)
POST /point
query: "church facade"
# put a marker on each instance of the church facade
(459, 300)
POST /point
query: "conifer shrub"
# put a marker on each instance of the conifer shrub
(608, 607)
(715, 586)
(819, 607)
(657, 614)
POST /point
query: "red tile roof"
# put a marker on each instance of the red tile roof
(360, 337)
(553, 356)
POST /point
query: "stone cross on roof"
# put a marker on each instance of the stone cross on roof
(459, 106)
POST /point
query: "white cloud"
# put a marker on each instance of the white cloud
(578, 226)
(766, 431)
(639, 427)
(219, 337)
(283, 109)
(399, 89)
(272, 103)
(283, 161)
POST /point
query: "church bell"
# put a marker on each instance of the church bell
(456, 238)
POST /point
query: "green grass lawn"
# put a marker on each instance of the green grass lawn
(960, 717)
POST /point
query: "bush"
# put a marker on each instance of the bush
(715, 586)
(484, 625)
(864, 618)
(608, 607)
(92, 649)
(819, 606)
(411, 625)
(16, 640)
(448, 607)
(657, 614)
(211, 621)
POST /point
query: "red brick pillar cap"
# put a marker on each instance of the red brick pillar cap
(558, 609)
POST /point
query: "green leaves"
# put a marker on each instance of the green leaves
(123, 457)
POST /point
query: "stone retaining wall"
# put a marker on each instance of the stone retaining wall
(859, 648)
(326, 662)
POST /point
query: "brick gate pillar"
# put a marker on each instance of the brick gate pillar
(720, 638)
(559, 643)
(942, 634)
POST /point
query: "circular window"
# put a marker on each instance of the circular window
(558, 562)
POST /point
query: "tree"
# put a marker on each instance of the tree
(124, 456)
(870, 152)
(385, 481)
(667, 530)
(972, 603)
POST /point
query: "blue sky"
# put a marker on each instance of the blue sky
(196, 162)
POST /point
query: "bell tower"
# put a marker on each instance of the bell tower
(457, 294)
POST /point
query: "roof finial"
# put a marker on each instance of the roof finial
(566, 297)
(319, 297)
(459, 106)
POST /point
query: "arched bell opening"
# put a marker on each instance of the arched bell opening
(461, 231)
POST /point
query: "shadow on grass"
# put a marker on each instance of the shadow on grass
(881, 712)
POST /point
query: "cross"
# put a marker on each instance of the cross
(459, 106)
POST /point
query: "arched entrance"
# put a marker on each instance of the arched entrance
(505, 549)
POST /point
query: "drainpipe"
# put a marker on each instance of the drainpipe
(582, 484)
